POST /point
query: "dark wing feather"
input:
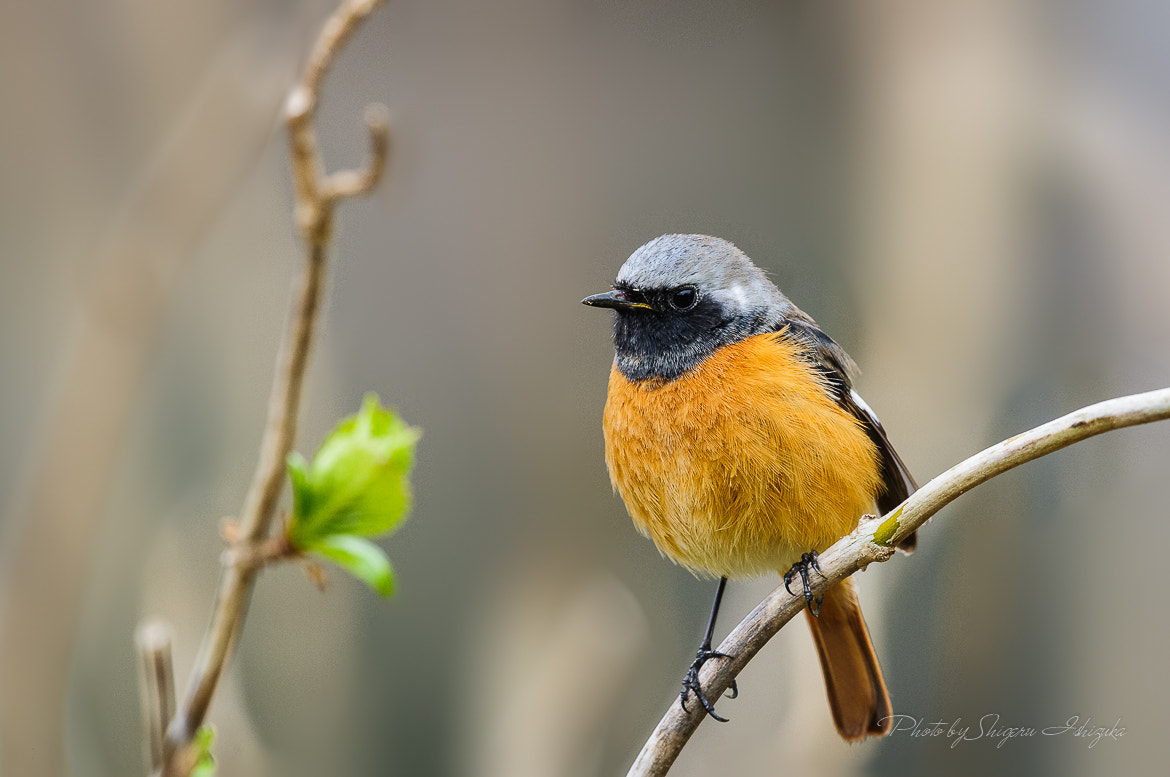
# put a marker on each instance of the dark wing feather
(838, 370)
(899, 483)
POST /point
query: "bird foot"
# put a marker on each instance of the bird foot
(691, 682)
(807, 561)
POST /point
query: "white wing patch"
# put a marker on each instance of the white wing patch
(868, 410)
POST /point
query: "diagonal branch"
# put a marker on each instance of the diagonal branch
(317, 197)
(875, 539)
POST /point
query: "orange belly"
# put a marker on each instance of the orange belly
(742, 464)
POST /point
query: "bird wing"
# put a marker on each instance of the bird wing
(838, 370)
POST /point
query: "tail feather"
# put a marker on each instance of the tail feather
(853, 679)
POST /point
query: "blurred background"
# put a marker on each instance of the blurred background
(970, 196)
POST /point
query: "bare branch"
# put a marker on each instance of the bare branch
(158, 686)
(316, 199)
(317, 194)
(338, 29)
(874, 540)
(351, 183)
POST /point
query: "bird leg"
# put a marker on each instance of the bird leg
(691, 681)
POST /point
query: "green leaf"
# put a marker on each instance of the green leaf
(298, 477)
(204, 763)
(361, 558)
(357, 484)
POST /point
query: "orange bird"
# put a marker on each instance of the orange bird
(736, 440)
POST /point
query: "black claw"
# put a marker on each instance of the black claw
(807, 561)
(691, 683)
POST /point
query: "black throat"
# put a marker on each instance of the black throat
(663, 345)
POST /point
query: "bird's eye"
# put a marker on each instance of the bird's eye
(683, 298)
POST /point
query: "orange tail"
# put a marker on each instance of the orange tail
(853, 679)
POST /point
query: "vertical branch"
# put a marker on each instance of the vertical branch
(158, 686)
(316, 198)
(240, 568)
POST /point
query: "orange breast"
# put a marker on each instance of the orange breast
(741, 464)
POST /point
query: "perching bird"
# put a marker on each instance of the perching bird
(736, 440)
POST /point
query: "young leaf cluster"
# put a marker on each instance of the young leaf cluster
(357, 487)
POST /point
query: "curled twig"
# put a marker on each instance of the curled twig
(874, 540)
(352, 183)
(317, 194)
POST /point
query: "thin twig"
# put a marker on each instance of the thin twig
(316, 193)
(317, 196)
(874, 540)
(158, 686)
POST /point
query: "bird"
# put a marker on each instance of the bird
(737, 443)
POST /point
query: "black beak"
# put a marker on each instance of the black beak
(616, 299)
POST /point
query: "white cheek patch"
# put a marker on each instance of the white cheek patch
(739, 295)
